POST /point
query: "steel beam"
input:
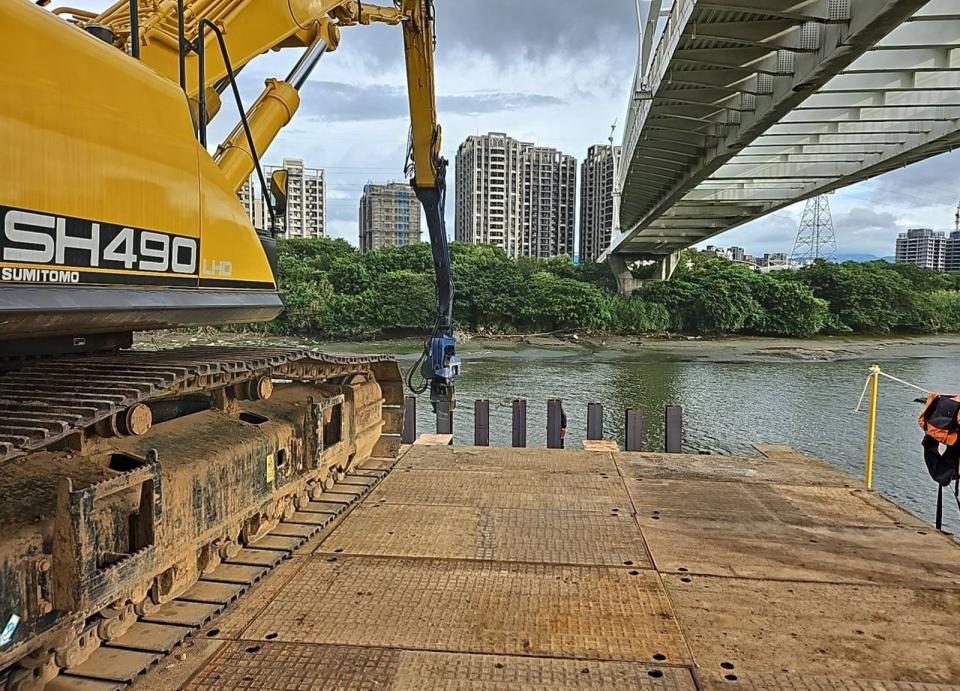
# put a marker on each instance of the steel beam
(881, 84)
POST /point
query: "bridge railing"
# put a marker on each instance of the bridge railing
(650, 82)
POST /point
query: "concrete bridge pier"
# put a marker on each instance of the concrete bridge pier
(665, 265)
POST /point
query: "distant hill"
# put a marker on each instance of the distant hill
(860, 257)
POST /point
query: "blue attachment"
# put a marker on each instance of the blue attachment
(443, 365)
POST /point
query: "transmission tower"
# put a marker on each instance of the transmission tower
(816, 239)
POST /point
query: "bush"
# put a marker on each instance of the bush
(637, 316)
(789, 309)
(330, 289)
(945, 306)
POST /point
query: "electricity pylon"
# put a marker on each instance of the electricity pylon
(816, 239)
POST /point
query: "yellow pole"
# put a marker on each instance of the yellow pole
(872, 422)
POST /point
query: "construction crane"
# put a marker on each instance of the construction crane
(127, 475)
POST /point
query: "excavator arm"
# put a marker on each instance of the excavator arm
(250, 28)
(440, 361)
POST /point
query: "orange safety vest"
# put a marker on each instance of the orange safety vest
(940, 418)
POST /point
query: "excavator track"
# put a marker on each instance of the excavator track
(46, 401)
(117, 665)
(143, 486)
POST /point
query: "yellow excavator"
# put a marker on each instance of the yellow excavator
(127, 475)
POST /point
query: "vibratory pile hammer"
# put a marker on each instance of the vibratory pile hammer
(127, 475)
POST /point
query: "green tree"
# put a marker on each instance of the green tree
(563, 303)
(637, 316)
(789, 309)
(403, 300)
(349, 276)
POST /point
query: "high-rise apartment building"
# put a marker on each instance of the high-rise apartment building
(489, 186)
(596, 200)
(516, 196)
(951, 254)
(389, 216)
(306, 200)
(923, 247)
(549, 203)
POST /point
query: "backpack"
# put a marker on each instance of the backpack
(940, 421)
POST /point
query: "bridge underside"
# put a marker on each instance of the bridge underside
(752, 105)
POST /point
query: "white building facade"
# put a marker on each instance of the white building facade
(596, 200)
(515, 195)
(924, 247)
(306, 200)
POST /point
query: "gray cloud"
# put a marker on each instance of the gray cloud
(511, 31)
(341, 102)
(932, 182)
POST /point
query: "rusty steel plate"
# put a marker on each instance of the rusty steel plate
(503, 489)
(250, 666)
(65, 682)
(184, 613)
(153, 638)
(828, 554)
(258, 557)
(731, 681)
(497, 460)
(278, 543)
(528, 535)
(232, 622)
(114, 664)
(236, 573)
(732, 469)
(760, 503)
(472, 606)
(819, 629)
(298, 530)
(213, 592)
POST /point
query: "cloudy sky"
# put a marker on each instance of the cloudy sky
(547, 71)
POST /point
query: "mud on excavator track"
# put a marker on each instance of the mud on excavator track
(128, 479)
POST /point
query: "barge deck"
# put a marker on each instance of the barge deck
(477, 568)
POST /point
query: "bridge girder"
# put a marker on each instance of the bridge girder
(764, 103)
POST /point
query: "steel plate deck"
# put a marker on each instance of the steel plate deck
(766, 573)
(483, 607)
(525, 535)
(253, 666)
(505, 489)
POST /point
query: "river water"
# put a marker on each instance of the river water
(728, 405)
(734, 393)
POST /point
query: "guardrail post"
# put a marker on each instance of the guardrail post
(673, 432)
(481, 423)
(594, 421)
(519, 423)
(555, 424)
(872, 424)
(633, 430)
(409, 420)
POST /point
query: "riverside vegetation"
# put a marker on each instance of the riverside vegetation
(333, 291)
